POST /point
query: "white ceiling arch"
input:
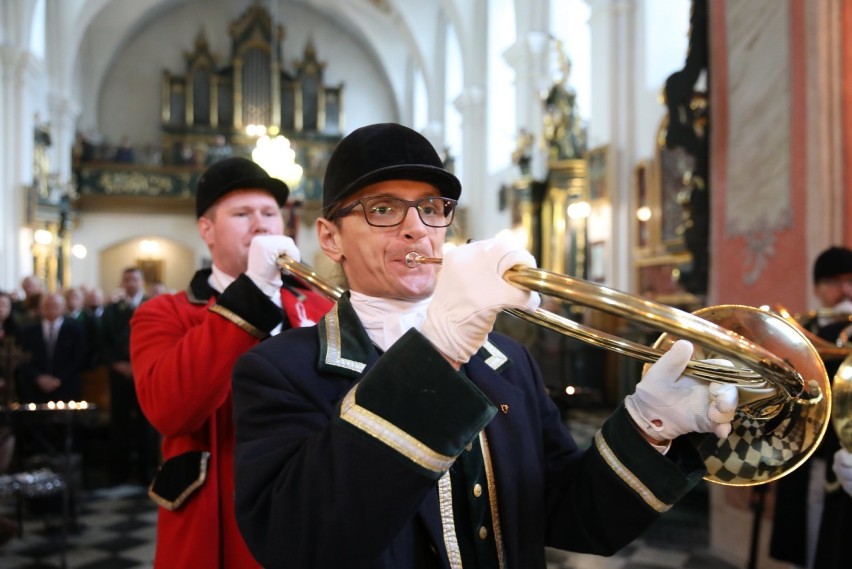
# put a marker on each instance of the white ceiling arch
(16, 22)
(397, 33)
(410, 23)
(102, 27)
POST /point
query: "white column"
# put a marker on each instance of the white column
(480, 202)
(62, 109)
(479, 197)
(438, 86)
(63, 121)
(23, 71)
(406, 111)
(16, 148)
(826, 193)
(529, 57)
(614, 49)
(9, 204)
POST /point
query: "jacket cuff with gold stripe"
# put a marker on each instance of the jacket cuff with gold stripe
(248, 307)
(413, 401)
(659, 480)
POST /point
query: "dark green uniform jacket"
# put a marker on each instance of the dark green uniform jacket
(343, 455)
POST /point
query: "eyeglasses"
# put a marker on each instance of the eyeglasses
(387, 211)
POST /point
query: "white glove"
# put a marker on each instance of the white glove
(471, 292)
(843, 469)
(667, 404)
(263, 254)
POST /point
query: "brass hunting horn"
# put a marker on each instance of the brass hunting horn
(785, 396)
(828, 350)
(841, 412)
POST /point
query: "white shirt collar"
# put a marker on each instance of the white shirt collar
(47, 325)
(136, 299)
(219, 280)
(842, 308)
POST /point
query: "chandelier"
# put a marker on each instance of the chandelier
(273, 153)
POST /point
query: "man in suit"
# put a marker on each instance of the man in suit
(75, 302)
(133, 440)
(400, 433)
(813, 516)
(57, 348)
(94, 310)
(25, 310)
(75, 309)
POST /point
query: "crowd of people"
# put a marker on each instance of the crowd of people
(71, 344)
(91, 146)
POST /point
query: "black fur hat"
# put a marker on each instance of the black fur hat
(385, 151)
(232, 174)
(832, 262)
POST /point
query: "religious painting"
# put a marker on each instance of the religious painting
(41, 162)
(643, 206)
(563, 240)
(598, 165)
(676, 166)
(31, 205)
(152, 269)
(658, 280)
(522, 208)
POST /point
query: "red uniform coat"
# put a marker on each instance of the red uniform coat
(183, 347)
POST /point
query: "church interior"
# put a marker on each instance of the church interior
(692, 154)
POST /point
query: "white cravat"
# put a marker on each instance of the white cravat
(386, 320)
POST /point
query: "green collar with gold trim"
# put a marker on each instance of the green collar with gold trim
(346, 348)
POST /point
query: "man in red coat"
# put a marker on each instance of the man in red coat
(184, 345)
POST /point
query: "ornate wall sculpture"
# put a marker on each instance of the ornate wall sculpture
(49, 213)
(684, 149)
(560, 241)
(672, 190)
(563, 129)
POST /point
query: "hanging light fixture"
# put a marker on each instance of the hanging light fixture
(580, 209)
(79, 251)
(643, 213)
(43, 237)
(273, 153)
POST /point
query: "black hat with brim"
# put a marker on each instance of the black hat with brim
(380, 152)
(833, 262)
(233, 174)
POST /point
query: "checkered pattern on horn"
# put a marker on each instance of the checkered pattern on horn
(749, 454)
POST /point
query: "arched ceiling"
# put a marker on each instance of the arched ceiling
(399, 34)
